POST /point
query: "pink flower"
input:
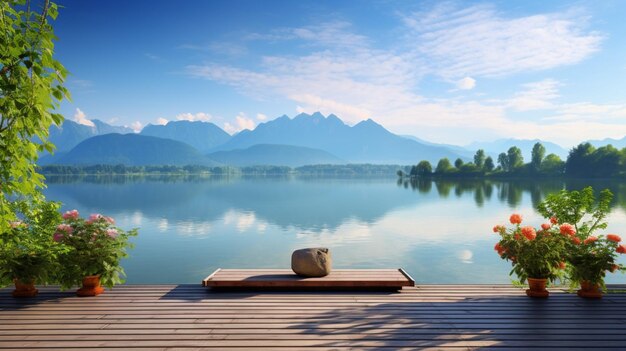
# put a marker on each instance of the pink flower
(590, 239)
(73, 214)
(57, 237)
(94, 218)
(515, 218)
(529, 232)
(567, 229)
(112, 233)
(553, 220)
(545, 226)
(65, 228)
(613, 237)
(109, 220)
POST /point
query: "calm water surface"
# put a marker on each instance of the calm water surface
(440, 232)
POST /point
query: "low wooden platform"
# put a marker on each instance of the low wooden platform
(285, 278)
(429, 317)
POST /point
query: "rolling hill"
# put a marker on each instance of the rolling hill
(275, 155)
(132, 150)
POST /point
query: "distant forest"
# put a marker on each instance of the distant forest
(583, 161)
(349, 170)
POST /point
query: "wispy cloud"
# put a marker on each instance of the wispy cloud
(241, 122)
(536, 96)
(341, 72)
(81, 118)
(480, 41)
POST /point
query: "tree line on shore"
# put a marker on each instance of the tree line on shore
(584, 161)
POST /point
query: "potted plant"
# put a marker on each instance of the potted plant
(536, 255)
(96, 249)
(589, 256)
(28, 255)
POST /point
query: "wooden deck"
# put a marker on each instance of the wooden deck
(285, 278)
(191, 317)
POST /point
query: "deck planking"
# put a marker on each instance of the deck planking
(191, 317)
(285, 278)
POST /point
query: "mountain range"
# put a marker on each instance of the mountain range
(302, 140)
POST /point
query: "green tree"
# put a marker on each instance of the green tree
(31, 88)
(424, 168)
(489, 166)
(579, 159)
(503, 161)
(538, 153)
(458, 163)
(552, 164)
(443, 166)
(479, 158)
(515, 157)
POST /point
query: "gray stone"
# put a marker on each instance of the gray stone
(313, 262)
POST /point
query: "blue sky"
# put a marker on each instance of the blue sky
(452, 72)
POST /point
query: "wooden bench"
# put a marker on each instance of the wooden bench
(286, 279)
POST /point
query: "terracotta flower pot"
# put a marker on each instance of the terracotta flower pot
(537, 287)
(589, 290)
(24, 289)
(91, 286)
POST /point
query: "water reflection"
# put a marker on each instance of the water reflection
(440, 230)
(511, 192)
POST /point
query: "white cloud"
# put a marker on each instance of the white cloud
(479, 41)
(161, 121)
(358, 81)
(536, 96)
(200, 116)
(81, 118)
(466, 83)
(334, 34)
(261, 117)
(136, 126)
(241, 122)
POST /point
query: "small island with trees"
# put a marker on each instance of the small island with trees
(583, 161)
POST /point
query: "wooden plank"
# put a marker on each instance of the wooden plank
(285, 278)
(188, 317)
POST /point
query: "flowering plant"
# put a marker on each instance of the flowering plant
(534, 253)
(97, 247)
(590, 256)
(27, 251)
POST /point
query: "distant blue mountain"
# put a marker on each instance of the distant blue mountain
(70, 133)
(275, 155)
(494, 148)
(132, 150)
(366, 142)
(204, 136)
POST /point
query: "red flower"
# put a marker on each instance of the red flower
(614, 237)
(553, 220)
(576, 240)
(515, 218)
(499, 248)
(590, 239)
(621, 249)
(562, 265)
(567, 229)
(613, 268)
(545, 226)
(498, 228)
(529, 232)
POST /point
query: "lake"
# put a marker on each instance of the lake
(439, 231)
